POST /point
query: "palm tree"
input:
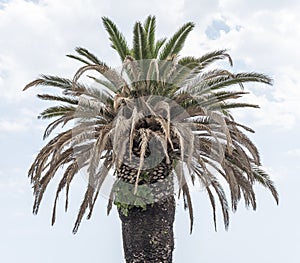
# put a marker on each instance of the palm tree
(160, 121)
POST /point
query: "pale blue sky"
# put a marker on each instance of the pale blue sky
(261, 36)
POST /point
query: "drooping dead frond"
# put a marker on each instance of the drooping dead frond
(110, 74)
(144, 135)
(135, 117)
(101, 176)
(84, 205)
(164, 106)
(66, 179)
(262, 177)
(163, 142)
(98, 149)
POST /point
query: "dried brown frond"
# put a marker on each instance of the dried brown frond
(221, 121)
(101, 176)
(67, 178)
(213, 205)
(84, 205)
(33, 83)
(162, 105)
(110, 74)
(135, 117)
(98, 149)
(144, 135)
(163, 143)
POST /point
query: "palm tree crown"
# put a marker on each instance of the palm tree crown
(178, 103)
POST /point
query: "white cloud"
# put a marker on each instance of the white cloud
(35, 37)
(265, 38)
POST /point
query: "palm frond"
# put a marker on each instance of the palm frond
(108, 73)
(78, 58)
(158, 45)
(213, 56)
(117, 39)
(57, 111)
(88, 197)
(149, 26)
(176, 42)
(50, 97)
(263, 178)
(231, 105)
(207, 59)
(107, 84)
(223, 201)
(187, 201)
(213, 205)
(62, 120)
(52, 81)
(87, 54)
(240, 78)
(71, 170)
(140, 46)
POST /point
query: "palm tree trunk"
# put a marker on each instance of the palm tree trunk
(148, 233)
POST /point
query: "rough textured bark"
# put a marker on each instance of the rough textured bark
(148, 234)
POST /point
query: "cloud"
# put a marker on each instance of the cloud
(213, 31)
(36, 36)
(265, 40)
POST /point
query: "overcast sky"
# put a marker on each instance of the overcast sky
(261, 35)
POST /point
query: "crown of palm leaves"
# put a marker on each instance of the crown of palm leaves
(153, 69)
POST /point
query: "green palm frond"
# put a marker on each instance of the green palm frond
(239, 78)
(205, 60)
(189, 62)
(176, 42)
(219, 79)
(213, 56)
(140, 45)
(158, 45)
(66, 99)
(57, 111)
(85, 54)
(149, 26)
(117, 39)
(79, 59)
(53, 81)
(231, 105)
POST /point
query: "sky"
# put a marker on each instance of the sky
(260, 35)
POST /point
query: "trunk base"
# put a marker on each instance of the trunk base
(148, 234)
